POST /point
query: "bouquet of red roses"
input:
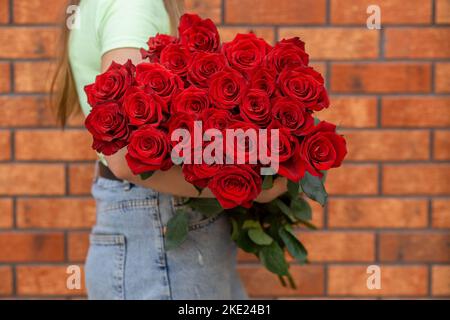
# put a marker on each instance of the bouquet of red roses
(235, 116)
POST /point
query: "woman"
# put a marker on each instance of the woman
(126, 258)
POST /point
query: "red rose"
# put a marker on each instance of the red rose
(191, 100)
(200, 174)
(112, 84)
(198, 34)
(292, 115)
(290, 162)
(108, 126)
(157, 79)
(256, 108)
(305, 85)
(227, 88)
(236, 186)
(175, 58)
(155, 45)
(203, 66)
(143, 108)
(216, 119)
(246, 52)
(288, 53)
(149, 150)
(263, 78)
(323, 149)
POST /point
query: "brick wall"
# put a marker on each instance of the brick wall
(389, 204)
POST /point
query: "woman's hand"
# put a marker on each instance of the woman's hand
(279, 187)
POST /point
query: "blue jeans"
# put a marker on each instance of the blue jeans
(127, 258)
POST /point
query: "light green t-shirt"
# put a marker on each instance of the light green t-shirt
(105, 25)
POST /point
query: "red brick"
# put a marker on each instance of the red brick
(228, 33)
(417, 179)
(78, 245)
(440, 281)
(443, 11)
(392, 11)
(415, 111)
(261, 283)
(417, 43)
(80, 178)
(39, 11)
(377, 213)
(441, 77)
(6, 213)
(206, 8)
(423, 246)
(387, 145)
(344, 179)
(385, 77)
(360, 43)
(43, 179)
(26, 247)
(4, 11)
(5, 145)
(395, 281)
(441, 213)
(45, 280)
(55, 213)
(25, 42)
(442, 145)
(33, 111)
(351, 112)
(32, 77)
(6, 282)
(283, 12)
(339, 246)
(5, 83)
(54, 145)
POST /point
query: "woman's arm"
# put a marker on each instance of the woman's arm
(171, 181)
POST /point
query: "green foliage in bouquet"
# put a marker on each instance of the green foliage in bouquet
(266, 230)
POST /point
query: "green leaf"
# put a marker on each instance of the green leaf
(293, 189)
(243, 241)
(314, 188)
(235, 229)
(208, 206)
(324, 178)
(249, 223)
(301, 209)
(294, 246)
(285, 209)
(272, 257)
(258, 236)
(177, 230)
(146, 175)
(267, 182)
(316, 121)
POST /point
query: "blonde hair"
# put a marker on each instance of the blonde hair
(63, 94)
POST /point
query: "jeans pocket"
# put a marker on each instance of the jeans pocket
(105, 267)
